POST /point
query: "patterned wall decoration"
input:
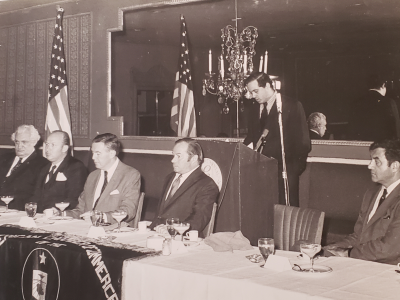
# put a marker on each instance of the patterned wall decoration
(25, 52)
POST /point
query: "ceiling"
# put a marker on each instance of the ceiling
(283, 25)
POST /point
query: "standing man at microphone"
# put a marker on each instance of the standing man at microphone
(264, 133)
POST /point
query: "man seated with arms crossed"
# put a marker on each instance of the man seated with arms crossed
(188, 193)
(18, 171)
(376, 234)
(63, 178)
(114, 185)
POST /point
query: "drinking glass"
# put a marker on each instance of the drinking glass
(310, 250)
(62, 206)
(266, 247)
(119, 215)
(181, 228)
(96, 217)
(7, 199)
(170, 226)
(30, 209)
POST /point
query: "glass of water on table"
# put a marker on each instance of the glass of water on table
(266, 247)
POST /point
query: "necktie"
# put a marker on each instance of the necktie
(383, 197)
(19, 163)
(174, 187)
(105, 182)
(51, 173)
(263, 117)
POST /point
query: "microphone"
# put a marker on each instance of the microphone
(261, 140)
(279, 103)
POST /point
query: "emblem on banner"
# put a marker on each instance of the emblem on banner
(40, 276)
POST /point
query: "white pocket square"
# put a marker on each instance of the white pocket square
(114, 192)
(61, 177)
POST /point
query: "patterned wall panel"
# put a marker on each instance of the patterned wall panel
(24, 73)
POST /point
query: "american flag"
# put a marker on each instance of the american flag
(58, 116)
(183, 115)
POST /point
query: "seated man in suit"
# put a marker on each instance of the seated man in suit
(188, 193)
(316, 125)
(113, 186)
(18, 172)
(377, 231)
(63, 178)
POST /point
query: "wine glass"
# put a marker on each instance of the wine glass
(7, 199)
(310, 250)
(30, 209)
(266, 247)
(170, 226)
(62, 206)
(119, 215)
(181, 228)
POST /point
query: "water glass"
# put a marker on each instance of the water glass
(31, 208)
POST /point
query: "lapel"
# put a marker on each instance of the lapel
(112, 185)
(23, 166)
(194, 177)
(393, 198)
(60, 169)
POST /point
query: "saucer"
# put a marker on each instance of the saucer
(60, 218)
(3, 211)
(317, 269)
(189, 243)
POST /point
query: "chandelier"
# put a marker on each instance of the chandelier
(238, 51)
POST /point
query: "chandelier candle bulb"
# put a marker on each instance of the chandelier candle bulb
(245, 63)
(222, 67)
(265, 62)
(209, 62)
(261, 64)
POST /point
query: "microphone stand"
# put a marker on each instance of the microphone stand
(284, 172)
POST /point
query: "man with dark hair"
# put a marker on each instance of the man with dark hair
(374, 117)
(113, 186)
(63, 178)
(188, 193)
(317, 125)
(18, 171)
(264, 126)
(377, 230)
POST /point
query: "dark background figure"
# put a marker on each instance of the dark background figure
(374, 117)
(316, 125)
(18, 172)
(63, 178)
(263, 115)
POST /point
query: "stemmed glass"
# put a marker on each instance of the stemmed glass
(119, 215)
(170, 226)
(310, 250)
(266, 247)
(7, 200)
(181, 228)
(62, 206)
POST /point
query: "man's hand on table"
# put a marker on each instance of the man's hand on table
(336, 251)
(161, 229)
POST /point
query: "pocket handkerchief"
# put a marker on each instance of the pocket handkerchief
(61, 177)
(114, 192)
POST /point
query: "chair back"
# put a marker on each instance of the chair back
(210, 226)
(294, 224)
(136, 219)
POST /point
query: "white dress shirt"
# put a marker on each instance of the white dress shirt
(183, 178)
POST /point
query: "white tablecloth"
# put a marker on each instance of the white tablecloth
(204, 274)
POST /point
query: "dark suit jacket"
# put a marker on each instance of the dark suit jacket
(295, 131)
(377, 240)
(373, 117)
(314, 135)
(22, 181)
(65, 185)
(122, 192)
(192, 202)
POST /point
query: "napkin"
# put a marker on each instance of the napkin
(277, 263)
(228, 241)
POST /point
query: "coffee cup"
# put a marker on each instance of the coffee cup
(48, 212)
(398, 266)
(142, 226)
(193, 235)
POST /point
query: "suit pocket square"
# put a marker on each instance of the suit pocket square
(61, 177)
(114, 192)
